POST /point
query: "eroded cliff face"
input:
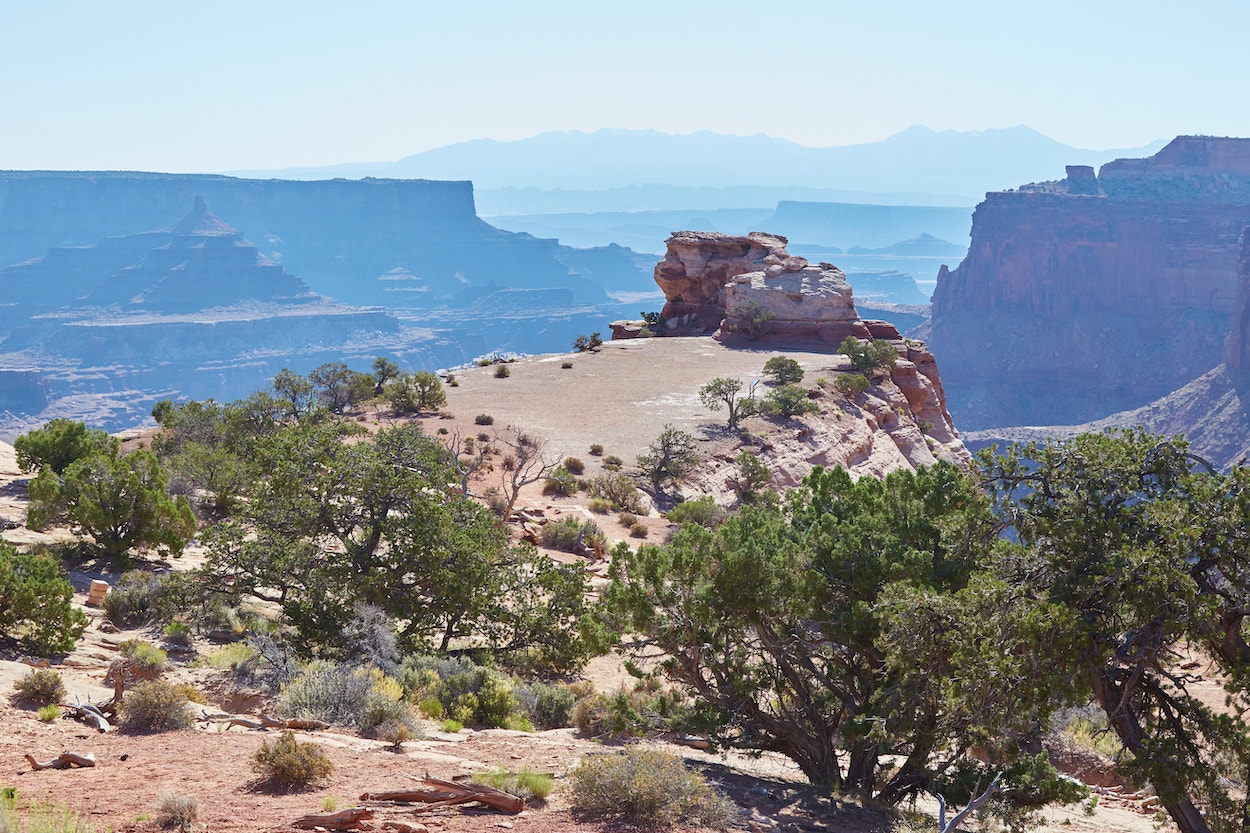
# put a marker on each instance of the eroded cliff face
(1091, 295)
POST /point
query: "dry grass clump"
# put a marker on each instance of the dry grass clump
(291, 765)
(155, 706)
(647, 787)
(41, 687)
(178, 812)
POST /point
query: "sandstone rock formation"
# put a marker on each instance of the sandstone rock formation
(1094, 294)
(750, 292)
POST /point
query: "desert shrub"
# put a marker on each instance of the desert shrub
(451, 727)
(386, 717)
(783, 370)
(612, 462)
(600, 506)
(177, 633)
(560, 482)
(495, 501)
(178, 812)
(574, 465)
(397, 730)
(626, 519)
(637, 530)
(443, 431)
(789, 401)
(596, 450)
(193, 694)
(143, 655)
(234, 656)
(40, 687)
(22, 816)
(363, 698)
(502, 371)
(466, 693)
(290, 764)
(701, 510)
(646, 787)
(849, 384)
(155, 706)
(431, 707)
(484, 419)
(562, 535)
(49, 712)
(566, 365)
(135, 599)
(36, 603)
(548, 706)
(619, 489)
(525, 784)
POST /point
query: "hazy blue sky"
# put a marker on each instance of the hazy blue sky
(182, 86)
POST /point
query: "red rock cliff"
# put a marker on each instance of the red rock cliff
(1091, 295)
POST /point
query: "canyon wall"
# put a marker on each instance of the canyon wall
(1096, 293)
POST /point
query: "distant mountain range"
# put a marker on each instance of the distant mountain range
(958, 165)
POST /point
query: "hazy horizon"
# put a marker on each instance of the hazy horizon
(234, 86)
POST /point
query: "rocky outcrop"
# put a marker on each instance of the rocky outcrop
(1094, 294)
(750, 292)
(1237, 345)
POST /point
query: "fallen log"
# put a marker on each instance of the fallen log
(89, 714)
(352, 818)
(65, 760)
(440, 793)
(293, 723)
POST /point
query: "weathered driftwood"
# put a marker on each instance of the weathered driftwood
(440, 793)
(352, 818)
(88, 714)
(293, 723)
(65, 760)
(265, 723)
(953, 824)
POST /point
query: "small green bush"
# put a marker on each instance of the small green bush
(646, 787)
(155, 706)
(701, 510)
(560, 482)
(290, 764)
(40, 687)
(484, 419)
(596, 450)
(236, 656)
(638, 530)
(783, 370)
(849, 384)
(451, 727)
(177, 633)
(600, 506)
(548, 706)
(178, 812)
(502, 371)
(789, 401)
(612, 462)
(143, 655)
(619, 489)
(135, 599)
(49, 712)
(562, 535)
(357, 697)
(574, 465)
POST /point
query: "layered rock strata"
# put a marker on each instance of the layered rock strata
(1095, 294)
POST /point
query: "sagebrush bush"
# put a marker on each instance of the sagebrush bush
(40, 687)
(596, 450)
(574, 465)
(560, 482)
(647, 787)
(155, 706)
(135, 599)
(357, 697)
(619, 489)
(502, 371)
(484, 419)
(143, 654)
(638, 530)
(600, 506)
(548, 706)
(178, 812)
(702, 511)
(562, 535)
(290, 764)
(177, 633)
(612, 462)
